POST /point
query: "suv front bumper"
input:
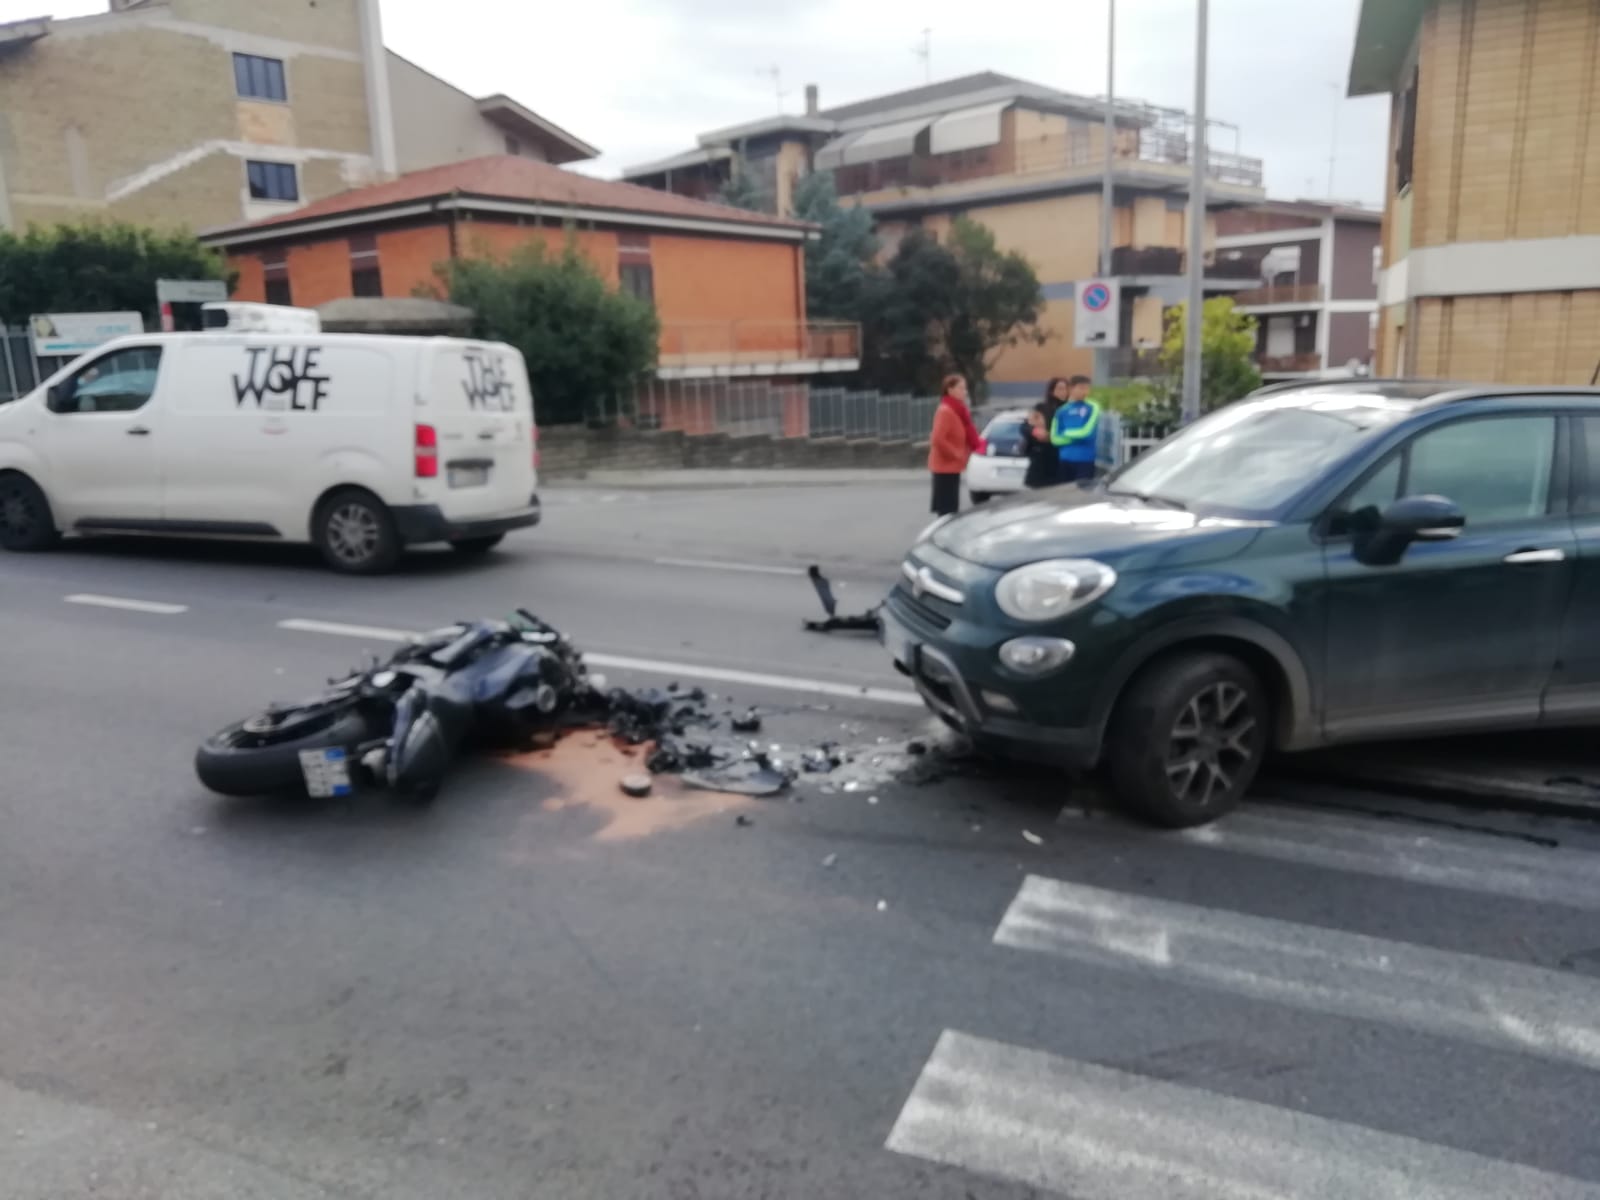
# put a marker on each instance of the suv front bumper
(960, 683)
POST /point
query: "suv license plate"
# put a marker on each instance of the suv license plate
(468, 477)
(326, 772)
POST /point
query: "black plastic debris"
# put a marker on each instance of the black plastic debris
(866, 622)
(749, 722)
(744, 778)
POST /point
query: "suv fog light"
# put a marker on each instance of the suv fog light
(999, 703)
(1036, 655)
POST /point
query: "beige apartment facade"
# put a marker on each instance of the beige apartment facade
(1491, 246)
(197, 113)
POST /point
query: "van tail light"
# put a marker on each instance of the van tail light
(427, 452)
(535, 447)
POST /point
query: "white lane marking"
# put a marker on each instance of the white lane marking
(1490, 865)
(1483, 1000)
(649, 666)
(707, 564)
(370, 633)
(1083, 1130)
(126, 605)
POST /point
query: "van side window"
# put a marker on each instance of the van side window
(119, 382)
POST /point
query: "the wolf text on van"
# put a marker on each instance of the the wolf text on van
(281, 378)
(488, 385)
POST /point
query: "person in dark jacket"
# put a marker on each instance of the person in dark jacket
(1076, 433)
(1043, 457)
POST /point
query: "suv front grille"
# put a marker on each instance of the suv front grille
(919, 610)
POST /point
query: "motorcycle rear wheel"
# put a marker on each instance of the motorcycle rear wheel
(261, 756)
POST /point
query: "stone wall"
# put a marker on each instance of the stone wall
(572, 451)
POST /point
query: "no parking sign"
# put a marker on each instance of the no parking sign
(1097, 320)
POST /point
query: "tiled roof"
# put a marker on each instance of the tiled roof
(519, 179)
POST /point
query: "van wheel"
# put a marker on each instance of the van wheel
(1188, 739)
(356, 533)
(26, 523)
(477, 547)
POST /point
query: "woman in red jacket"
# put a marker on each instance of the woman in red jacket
(955, 439)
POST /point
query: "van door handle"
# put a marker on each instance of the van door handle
(1522, 557)
(138, 431)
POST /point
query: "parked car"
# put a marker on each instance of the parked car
(1003, 466)
(359, 445)
(1331, 564)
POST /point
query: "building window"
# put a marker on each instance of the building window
(275, 271)
(638, 280)
(1406, 143)
(513, 146)
(366, 277)
(257, 78)
(634, 272)
(273, 181)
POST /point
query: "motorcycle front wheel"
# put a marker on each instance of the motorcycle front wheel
(261, 756)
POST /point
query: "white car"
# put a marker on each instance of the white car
(359, 445)
(1003, 467)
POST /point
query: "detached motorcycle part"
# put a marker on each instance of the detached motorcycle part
(261, 756)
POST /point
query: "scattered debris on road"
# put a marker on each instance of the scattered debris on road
(637, 786)
(866, 622)
(830, 861)
(1033, 839)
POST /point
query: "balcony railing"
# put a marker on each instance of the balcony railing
(1283, 364)
(1309, 294)
(752, 344)
(1170, 260)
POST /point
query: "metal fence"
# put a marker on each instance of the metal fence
(761, 407)
(1127, 439)
(835, 412)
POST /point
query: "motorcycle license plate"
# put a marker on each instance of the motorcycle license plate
(327, 772)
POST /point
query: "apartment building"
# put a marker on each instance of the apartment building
(206, 112)
(1317, 306)
(1025, 160)
(728, 285)
(1491, 238)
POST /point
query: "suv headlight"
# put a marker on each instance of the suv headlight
(1043, 591)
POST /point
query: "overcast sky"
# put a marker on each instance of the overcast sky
(641, 78)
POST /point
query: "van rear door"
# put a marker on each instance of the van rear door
(479, 405)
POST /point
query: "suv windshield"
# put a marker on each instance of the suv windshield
(1249, 459)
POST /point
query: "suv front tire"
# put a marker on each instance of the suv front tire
(1188, 739)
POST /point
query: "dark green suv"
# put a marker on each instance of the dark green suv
(1324, 565)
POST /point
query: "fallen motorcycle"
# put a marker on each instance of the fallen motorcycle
(401, 723)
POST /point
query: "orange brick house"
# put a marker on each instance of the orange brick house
(728, 285)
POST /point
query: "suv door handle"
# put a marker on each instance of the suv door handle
(138, 431)
(1536, 556)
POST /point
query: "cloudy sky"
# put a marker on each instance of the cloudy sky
(640, 78)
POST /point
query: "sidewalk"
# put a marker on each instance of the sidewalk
(759, 477)
(1550, 772)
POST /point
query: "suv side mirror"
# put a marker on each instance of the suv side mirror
(1409, 519)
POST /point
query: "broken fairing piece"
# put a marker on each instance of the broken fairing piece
(866, 622)
(750, 722)
(750, 778)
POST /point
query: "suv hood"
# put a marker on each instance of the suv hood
(1034, 528)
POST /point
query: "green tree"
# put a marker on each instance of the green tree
(841, 262)
(1227, 353)
(96, 268)
(948, 307)
(741, 191)
(585, 343)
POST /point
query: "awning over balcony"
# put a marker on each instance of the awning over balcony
(871, 145)
(968, 128)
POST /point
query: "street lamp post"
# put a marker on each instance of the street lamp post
(1194, 314)
(1102, 358)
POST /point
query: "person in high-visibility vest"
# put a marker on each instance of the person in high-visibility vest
(1075, 432)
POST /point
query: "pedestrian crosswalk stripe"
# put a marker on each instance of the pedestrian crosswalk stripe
(1086, 1130)
(1494, 1003)
(1368, 847)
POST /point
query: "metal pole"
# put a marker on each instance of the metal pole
(1194, 316)
(1108, 191)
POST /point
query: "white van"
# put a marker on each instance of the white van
(359, 445)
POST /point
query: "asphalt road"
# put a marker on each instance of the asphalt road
(969, 988)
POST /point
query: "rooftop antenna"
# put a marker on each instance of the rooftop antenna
(924, 51)
(775, 73)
